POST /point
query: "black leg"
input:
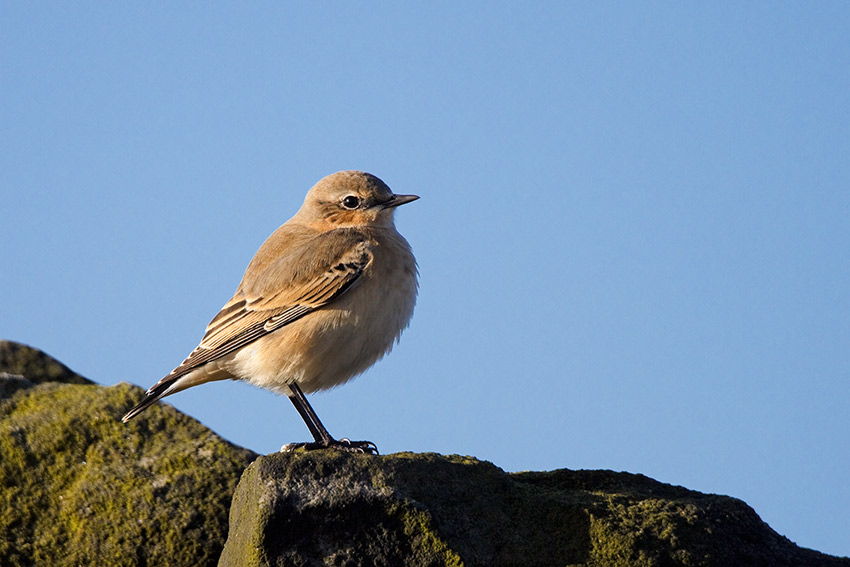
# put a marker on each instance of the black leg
(308, 414)
(323, 439)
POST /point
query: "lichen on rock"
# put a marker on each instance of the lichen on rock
(78, 487)
(330, 508)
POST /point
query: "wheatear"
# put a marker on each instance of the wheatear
(324, 298)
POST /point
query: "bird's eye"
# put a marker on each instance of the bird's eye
(351, 202)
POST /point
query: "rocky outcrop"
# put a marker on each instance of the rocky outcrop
(78, 487)
(329, 508)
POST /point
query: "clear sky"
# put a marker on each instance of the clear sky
(633, 236)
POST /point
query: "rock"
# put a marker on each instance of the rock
(22, 366)
(78, 487)
(330, 508)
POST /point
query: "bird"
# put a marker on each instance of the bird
(326, 296)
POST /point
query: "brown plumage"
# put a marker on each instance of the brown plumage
(323, 299)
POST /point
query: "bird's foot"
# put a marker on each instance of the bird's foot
(344, 444)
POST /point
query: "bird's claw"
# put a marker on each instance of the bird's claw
(366, 447)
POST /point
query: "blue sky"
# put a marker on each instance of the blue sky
(633, 236)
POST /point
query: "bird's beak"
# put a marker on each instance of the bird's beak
(397, 200)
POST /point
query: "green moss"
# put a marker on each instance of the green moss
(81, 488)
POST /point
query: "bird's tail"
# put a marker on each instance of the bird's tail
(159, 390)
(177, 381)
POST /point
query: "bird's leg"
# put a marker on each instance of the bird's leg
(308, 414)
(322, 438)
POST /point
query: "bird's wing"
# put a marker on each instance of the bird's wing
(264, 308)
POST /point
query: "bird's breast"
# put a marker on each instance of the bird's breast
(333, 344)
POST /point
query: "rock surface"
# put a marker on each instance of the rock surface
(329, 508)
(78, 487)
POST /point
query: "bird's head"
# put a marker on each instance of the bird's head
(350, 198)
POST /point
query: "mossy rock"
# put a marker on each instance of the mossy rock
(78, 487)
(22, 366)
(331, 508)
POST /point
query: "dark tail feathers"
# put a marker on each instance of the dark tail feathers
(151, 397)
